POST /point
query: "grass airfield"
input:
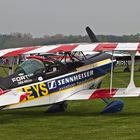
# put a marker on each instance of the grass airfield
(81, 121)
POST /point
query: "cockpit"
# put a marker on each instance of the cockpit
(35, 67)
(31, 66)
(49, 66)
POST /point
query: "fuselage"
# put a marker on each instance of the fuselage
(87, 74)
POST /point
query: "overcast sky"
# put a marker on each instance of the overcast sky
(40, 17)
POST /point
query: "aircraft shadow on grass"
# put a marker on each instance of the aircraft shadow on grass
(10, 116)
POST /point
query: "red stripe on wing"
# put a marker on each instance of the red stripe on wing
(139, 48)
(106, 47)
(64, 48)
(21, 51)
(103, 93)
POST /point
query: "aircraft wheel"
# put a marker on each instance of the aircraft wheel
(64, 105)
(56, 108)
(113, 107)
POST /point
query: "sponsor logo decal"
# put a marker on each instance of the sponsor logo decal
(21, 79)
(49, 87)
(36, 91)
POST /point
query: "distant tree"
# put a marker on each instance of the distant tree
(19, 40)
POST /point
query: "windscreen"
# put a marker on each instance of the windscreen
(31, 66)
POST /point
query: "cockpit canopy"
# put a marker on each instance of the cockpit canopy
(31, 66)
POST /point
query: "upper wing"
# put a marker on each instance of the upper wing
(71, 47)
(11, 97)
(103, 93)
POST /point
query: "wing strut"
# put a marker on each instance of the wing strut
(111, 77)
(131, 85)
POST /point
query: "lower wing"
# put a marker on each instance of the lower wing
(104, 93)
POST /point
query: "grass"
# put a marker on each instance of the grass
(82, 120)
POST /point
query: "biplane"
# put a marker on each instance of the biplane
(40, 81)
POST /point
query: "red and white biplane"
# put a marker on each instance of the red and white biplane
(49, 81)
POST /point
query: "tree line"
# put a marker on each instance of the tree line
(20, 40)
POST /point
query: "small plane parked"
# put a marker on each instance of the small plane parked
(50, 81)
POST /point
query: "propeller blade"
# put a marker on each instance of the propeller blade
(91, 35)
